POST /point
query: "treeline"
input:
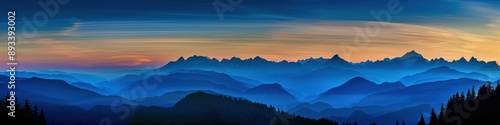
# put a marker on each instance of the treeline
(201, 108)
(27, 114)
(471, 108)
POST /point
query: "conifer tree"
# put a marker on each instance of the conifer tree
(434, 119)
(441, 116)
(422, 120)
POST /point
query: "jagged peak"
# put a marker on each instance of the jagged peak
(181, 59)
(259, 58)
(473, 59)
(197, 57)
(492, 63)
(462, 59)
(235, 58)
(411, 54)
(336, 57)
(215, 59)
(283, 61)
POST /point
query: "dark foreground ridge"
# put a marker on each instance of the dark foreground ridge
(200, 108)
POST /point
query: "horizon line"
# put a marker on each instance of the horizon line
(321, 57)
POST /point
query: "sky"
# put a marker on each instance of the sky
(130, 34)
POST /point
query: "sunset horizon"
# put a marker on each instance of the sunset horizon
(368, 30)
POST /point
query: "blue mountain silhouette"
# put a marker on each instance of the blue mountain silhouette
(433, 93)
(185, 81)
(354, 90)
(440, 73)
(317, 107)
(313, 74)
(273, 94)
(408, 115)
(58, 92)
(360, 117)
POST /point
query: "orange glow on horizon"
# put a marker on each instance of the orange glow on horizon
(299, 42)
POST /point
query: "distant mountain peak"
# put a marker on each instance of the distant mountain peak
(440, 59)
(273, 85)
(492, 63)
(360, 115)
(442, 69)
(412, 54)
(196, 57)
(462, 59)
(258, 58)
(235, 59)
(181, 59)
(337, 58)
(358, 79)
(473, 59)
(269, 88)
(356, 83)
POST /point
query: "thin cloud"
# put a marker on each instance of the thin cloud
(70, 31)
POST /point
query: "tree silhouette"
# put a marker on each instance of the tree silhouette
(42, 118)
(35, 112)
(403, 123)
(441, 116)
(27, 109)
(220, 110)
(434, 119)
(471, 108)
(422, 121)
(25, 115)
(397, 122)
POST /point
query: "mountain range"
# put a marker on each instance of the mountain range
(354, 90)
(314, 75)
(441, 73)
(331, 88)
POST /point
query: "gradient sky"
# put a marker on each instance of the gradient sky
(121, 34)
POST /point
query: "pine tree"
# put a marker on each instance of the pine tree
(462, 97)
(397, 122)
(403, 123)
(35, 112)
(42, 118)
(422, 120)
(26, 112)
(441, 116)
(473, 93)
(468, 94)
(433, 120)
